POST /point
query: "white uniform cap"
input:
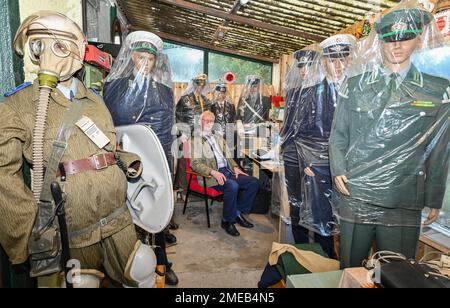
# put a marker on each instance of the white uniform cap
(144, 36)
(339, 45)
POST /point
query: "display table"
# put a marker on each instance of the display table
(348, 278)
(354, 278)
(314, 280)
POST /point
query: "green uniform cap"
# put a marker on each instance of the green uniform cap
(402, 25)
(144, 46)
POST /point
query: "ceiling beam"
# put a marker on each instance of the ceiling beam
(201, 44)
(242, 20)
(222, 29)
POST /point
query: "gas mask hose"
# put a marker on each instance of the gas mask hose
(46, 84)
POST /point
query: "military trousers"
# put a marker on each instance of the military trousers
(357, 239)
(109, 255)
(293, 177)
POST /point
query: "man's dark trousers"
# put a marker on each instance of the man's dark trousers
(239, 194)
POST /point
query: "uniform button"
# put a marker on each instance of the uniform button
(151, 118)
(423, 113)
(313, 112)
(386, 129)
(388, 113)
(382, 145)
(421, 173)
(380, 161)
(133, 117)
(358, 109)
(335, 105)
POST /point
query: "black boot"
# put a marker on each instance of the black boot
(171, 278)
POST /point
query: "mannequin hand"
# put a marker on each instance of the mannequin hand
(340, 181)
(220, 177)
(309, 171)
(434, 214)
(238, 172)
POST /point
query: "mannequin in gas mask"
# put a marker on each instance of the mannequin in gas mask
(136, 92)
(314, 124)
(389, 146)
(44, 125)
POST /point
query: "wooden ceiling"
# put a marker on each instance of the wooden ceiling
(261, 29)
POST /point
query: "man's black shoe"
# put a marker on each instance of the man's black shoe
(244, 222)
(171, 278)
(230, 228)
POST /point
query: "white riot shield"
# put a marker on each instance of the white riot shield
(149, 198)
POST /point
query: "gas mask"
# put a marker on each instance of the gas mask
(54, 42)
(57, 45)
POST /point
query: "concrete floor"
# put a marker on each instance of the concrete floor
(210, 258)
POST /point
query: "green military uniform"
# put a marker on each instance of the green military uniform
(390, 139)
(91, 195)
(203, 160)
(380, 142)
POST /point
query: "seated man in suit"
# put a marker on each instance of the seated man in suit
(211, 157)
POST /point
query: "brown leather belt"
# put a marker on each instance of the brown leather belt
(95, 162)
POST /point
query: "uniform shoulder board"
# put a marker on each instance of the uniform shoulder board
(17, 89)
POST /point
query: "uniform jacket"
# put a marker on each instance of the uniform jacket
(91, 195)
(188, 109)
(314, 118)
(154, 105)
(225, 114)
(203, 160)
(393, 147)
(261, 105)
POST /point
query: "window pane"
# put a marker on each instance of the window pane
(220, 64)
(186, 62)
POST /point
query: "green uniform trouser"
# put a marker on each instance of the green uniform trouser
(357, 239)
(111, 254)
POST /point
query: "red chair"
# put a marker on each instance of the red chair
(194, 186)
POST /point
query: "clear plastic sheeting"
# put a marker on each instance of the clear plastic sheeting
(389, 146)
(303, 73)
(312, 86)
(299, 79)
(224, 110)
(253, 106)
(139, 87)
(192, 104)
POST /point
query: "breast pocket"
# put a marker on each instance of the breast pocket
(414, 122)
(359, 118)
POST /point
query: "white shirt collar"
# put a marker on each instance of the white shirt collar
(66, 91)
(402, 74)
(339, 82)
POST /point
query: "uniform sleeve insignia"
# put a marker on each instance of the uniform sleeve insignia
(17, 89)
(344, 91)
